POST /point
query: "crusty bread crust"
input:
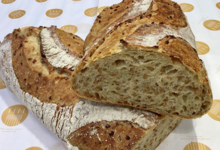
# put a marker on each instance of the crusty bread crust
(35, 74)
(162, 30)
(22, 56)
(108, 135)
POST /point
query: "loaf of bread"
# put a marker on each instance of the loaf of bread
(142, 53)
(36, 65)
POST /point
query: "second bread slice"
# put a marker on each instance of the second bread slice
(144, 57)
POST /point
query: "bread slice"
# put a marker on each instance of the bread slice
(145, 57)
(36, 64)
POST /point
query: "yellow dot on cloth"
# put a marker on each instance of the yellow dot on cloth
(41, 1)
(2, 84)
(91, 12)
(7, 1)
(14, 115)
(202, 48)
(196, 146)
(34, 148)
(69, 28)
(16, 14)
(186, 7)
(213, 25)
(53, 13)
(214, 112)
(101, 8)
(218, 5)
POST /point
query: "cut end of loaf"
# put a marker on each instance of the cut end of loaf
(148, 79)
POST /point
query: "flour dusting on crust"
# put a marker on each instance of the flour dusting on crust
(139, 7)
(150, 35)
(55, 55)
(65, 120)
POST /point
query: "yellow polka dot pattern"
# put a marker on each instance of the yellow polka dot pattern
(2, 84)
(7, 1)
(16, 14)
(14, 115)
(186, 7)
(214, 112)
(196, 146)
(41, 1)
(213, 25)
(91, 12)
(218, 5)
(202, 48)
(69, 28)
(53, 13)
(34, 148)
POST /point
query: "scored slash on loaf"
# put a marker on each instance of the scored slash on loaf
(144, 56)
(30, 69)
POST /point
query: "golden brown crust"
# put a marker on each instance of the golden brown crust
(112, 135)
(2, 84)
(38, 72)
(180, 49)
(106, 19)
(159, 12)
(35, 75)
(72, 42)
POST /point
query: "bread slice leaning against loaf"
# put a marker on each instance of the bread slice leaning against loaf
(144, 56)
(36, 64)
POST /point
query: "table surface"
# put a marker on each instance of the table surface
(77, 16)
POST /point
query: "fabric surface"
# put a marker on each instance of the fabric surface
(20, 130)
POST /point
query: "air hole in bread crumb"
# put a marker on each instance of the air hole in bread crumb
(150, 68)
(172, 72)
(168, 68)
(176, 61)
(147, 61)
(175, 94)
(176, 113)
(120, 63)
(83, 70)
(97, 96)
(184, 108)
(141, 57)
(205, 105)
